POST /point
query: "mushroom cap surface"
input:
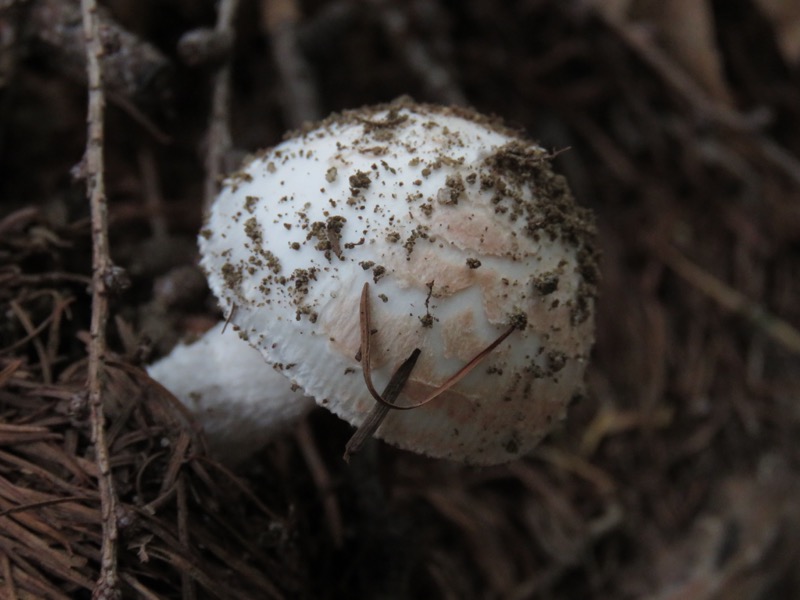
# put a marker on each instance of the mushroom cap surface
(459, 226)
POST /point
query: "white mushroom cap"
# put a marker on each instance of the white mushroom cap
(460, 228)
(239, 399)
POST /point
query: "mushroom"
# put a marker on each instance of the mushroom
(409, 230)
(233, 394)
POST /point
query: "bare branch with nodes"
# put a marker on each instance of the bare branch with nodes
(102, 281)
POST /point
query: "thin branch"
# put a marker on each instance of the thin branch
(10, 586)
(365, 351)
(188, 588)
(219, 141)
(436, 78)
(707, 107)
(300, 97)
(9, 370)
(42, 504)
(32, 331)
(102, 269)
(151, 189)
(780, 331)
(382, 408)
(677, 79)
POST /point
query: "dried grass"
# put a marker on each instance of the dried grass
(181, 516)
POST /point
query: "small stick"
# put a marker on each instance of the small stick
(8, 577)
(229, 318)
(436, 78)
(31, 330)
(716, 112)
(219, 141)
(322, 480)
(188, 589)
(380, 410)
(151, 189)
(300, 97)
(43, 503)
(364, 351)
(102, 269)
(8, 371)
(777, 329)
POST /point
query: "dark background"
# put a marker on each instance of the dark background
(675, 476)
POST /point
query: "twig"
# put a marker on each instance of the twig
(677, 79)
(714, 111)
(42, 504)
(32, 333)
(219, 133)
(10, 585)
(364, 352)
(774, 327)
(140, 588)
(152, 193)
(465, 370)
(437, 80)
(102, 269)
(381, 409)
(300, 97)
(9, 370)
(320, 31)
(204, 46)
(60, 306)
(322, 480)
(188, 588)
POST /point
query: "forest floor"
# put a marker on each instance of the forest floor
(676, 475)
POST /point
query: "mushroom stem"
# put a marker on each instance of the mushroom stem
(234, 394)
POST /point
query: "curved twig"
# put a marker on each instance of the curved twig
(364, 351)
